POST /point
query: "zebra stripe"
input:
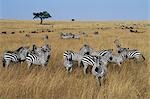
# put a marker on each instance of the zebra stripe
(88, 59)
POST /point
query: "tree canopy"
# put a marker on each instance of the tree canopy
(41, 15)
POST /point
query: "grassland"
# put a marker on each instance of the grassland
(131, 81)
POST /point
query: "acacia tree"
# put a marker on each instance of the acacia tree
(41, 15)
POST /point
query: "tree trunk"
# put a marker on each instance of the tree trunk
(41, 20)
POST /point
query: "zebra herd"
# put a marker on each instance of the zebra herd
(37, 56)
(99, 60)
(86, 57)
(69, 36)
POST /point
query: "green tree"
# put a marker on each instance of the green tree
(41, 15)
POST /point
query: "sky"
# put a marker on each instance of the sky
(77, 9)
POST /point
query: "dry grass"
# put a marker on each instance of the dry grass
(131, 81)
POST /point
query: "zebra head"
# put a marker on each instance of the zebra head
(46, 51)
(117, 43)
(36, 50)
(85, 50)
(46, 48)
(68, 65)
(69, 57)
(120, 50)
(23, 52)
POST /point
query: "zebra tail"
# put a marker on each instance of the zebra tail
(143, 57)
(4, 62)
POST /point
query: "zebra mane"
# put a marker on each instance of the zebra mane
(19, 49)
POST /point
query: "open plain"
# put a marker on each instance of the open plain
(130, 81)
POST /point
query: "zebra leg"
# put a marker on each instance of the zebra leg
(70, 69)
(43, 65)
(102, 80)
(79, 63)
(29, 64)
(85, 68)
(98, 80)
(4, 62)
(7, 63)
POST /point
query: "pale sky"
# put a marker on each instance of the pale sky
(78, 9)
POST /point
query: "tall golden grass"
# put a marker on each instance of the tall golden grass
(131, 81)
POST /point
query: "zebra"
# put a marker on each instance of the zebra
(99, 71)
(135, 54)
(77, 56)
(15, 56)
(88, 60)
(66, 35)
(119, 58)
(68, 62)
(131, 54)
(40, 58)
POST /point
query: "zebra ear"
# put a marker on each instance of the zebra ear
(34, 47)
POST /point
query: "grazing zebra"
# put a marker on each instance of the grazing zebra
(131, 54)
(119, 58)
(66, 35)
(40, 58)
(135, 54)
(15, 56)
(99, 71)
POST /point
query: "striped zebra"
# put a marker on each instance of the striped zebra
(66, 35)
(15, 56)
(99, 70)
(40, 58)
(118, 58)
(131, 54)
(68, 62)
(89, 60)
(135, 54)
(77, 56)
